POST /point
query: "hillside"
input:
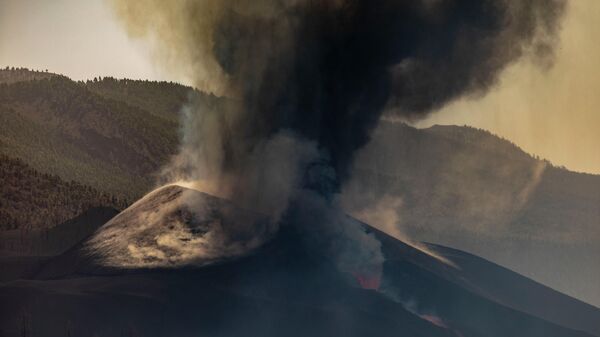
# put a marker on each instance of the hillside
(458, 178)
(162, 99)
(30, 200)
(61, 127)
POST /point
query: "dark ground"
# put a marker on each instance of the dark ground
(285, 289)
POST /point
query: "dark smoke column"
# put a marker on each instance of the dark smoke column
(327, 70)
(344, 62)
(306, 81)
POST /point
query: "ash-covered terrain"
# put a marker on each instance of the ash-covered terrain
(174, 226)
(262, 244)
(284, 287)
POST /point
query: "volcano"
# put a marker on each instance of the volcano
(175, 226)
(154, 286)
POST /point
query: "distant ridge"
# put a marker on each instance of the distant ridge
(466, 188)
(10, 75)
(162, 99)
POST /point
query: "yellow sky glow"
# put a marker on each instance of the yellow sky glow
(554, 113)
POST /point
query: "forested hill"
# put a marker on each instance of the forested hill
(96, 133)
(12, 75)
(33, 200)
(162, 99)
(66, 146)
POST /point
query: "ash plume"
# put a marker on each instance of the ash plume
(328, 69)
(306, 81)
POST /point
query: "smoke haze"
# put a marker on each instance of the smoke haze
(325, 70)
(307, 81)
(541, 109)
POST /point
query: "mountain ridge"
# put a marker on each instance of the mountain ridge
(457, 186)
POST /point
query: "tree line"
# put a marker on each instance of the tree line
(33, 200)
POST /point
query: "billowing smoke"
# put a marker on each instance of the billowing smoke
(306, 81)
(326, 69)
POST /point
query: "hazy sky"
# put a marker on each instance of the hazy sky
(77, 38)
(553, 114)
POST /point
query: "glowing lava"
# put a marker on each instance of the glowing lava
(370, 278)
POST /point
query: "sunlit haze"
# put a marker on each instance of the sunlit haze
(79, 39)
(554, 113)
(550, 113)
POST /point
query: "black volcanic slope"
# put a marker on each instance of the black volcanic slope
(285, 289)
(22, 254)
(516, 291)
